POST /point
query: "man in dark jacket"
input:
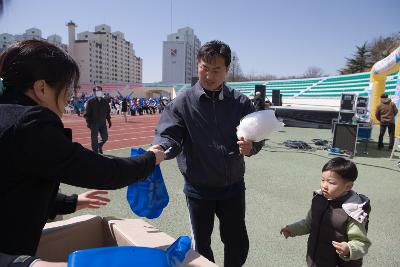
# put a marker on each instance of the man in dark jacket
(385, 114)
(199, 127)
(97, 112)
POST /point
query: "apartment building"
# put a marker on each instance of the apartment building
(180, 56)
(104, 56)
(33, 33)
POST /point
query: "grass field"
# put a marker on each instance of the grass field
(279, 184)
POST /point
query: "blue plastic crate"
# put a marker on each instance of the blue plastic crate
(132, 256)
(364, 133)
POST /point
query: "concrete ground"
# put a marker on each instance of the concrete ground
(280, 182)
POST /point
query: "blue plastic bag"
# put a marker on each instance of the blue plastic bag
(132, 256)
(149, 197)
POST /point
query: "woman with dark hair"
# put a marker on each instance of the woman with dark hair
(37, 153)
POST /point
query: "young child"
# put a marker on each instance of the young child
(337, 221)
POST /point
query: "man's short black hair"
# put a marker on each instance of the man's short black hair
(384, 95)
(213, 49)
(343, 167)
(97, 88)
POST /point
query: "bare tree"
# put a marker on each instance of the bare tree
(381, 47)
(235, 71)
(313, 72)
(258, 77)
(370, 53)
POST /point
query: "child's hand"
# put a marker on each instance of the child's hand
(342, 248)
(286, 232)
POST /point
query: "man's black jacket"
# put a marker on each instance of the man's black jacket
(202, 133)
(35, 156)
(97, 111)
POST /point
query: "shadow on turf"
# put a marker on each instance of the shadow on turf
(372, 150)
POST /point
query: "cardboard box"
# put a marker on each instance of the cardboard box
(61, 238)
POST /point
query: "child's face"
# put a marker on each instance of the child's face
(334, 186)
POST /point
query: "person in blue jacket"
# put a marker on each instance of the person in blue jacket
(199, 127)
(37, 152)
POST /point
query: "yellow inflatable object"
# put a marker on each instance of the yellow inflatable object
(379, 72)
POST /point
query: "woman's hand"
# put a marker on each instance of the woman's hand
(92, 200)
(49, 264)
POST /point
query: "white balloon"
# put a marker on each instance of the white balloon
(258, 125)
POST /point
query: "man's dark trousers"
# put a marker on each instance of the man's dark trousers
(94, 130)
(231, 215)
(391, 127)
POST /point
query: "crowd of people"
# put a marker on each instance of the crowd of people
(119, 104)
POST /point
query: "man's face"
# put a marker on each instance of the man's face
(212, 75)
(98, 93)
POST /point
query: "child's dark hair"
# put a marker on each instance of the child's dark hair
(211, 50)
(23, 63)
(343, 167)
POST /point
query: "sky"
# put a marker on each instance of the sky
(278, 37)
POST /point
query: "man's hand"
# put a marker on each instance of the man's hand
(158, 147)
(109, 123)
(342, 248)
(286, 232)
(245, 146)
(92, 200)
(159, 152)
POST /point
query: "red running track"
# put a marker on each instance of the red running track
(138, 131)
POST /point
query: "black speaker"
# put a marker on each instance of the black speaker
(362, 102)
(260, 88)
(194, 80)
(276, 97)
(345, 136)
(347, 102)
(346, 117)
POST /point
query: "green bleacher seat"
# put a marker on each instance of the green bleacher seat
(314, 87)
(348, 77)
